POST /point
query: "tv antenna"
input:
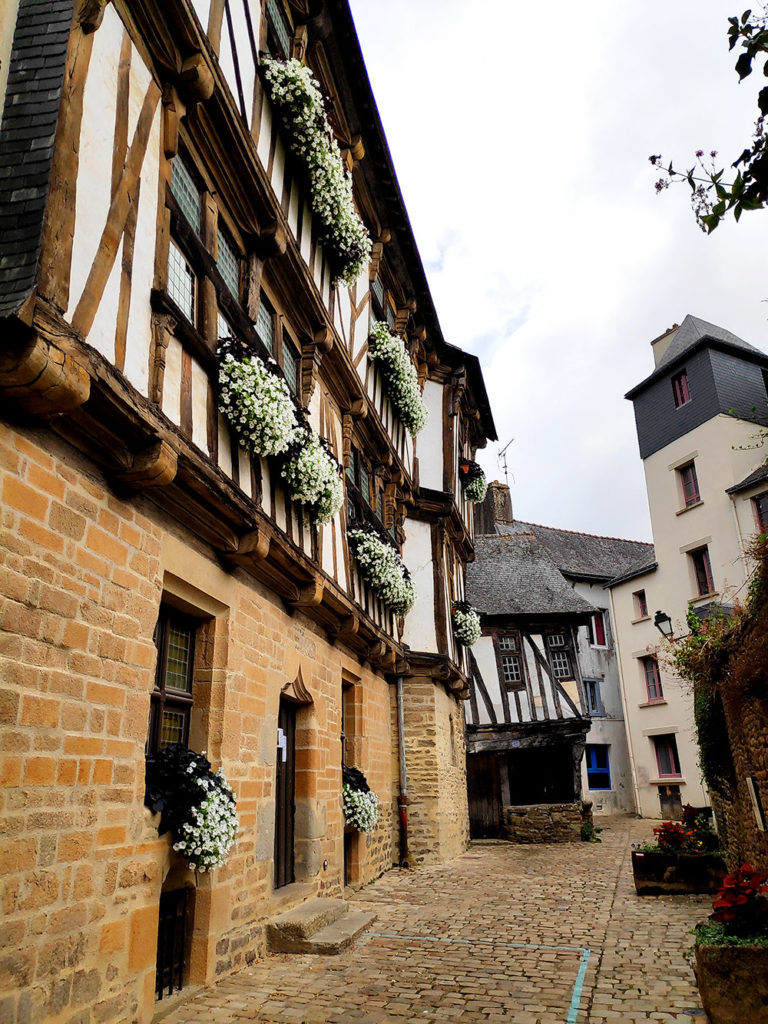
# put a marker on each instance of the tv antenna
(501, 458)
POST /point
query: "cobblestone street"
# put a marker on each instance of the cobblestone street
(513, 934)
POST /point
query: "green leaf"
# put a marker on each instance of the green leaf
(718, 210)
(721, 192)
(762, 100)
(737, 211)
(744, 65)
(745, 16)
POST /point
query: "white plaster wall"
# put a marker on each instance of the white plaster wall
(200, 388)
(420, 621)
(429, 442)
(486, 663)
(172, 381)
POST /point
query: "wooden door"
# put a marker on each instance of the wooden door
(285, 793)
(484, 791)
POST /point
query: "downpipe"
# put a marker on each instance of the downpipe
(403, 797)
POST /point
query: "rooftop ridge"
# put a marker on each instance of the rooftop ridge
(581, 533)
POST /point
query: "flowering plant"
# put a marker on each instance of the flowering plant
(194, 803)
(293, 90)
(361, 805)
(382, 568)
(466, 623)
(257, 402)
(400, 378)
(741, 906)
(473, 480)
(313, 477)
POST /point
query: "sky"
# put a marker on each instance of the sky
(520, 133)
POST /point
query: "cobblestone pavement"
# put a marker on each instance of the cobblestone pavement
(514, 934)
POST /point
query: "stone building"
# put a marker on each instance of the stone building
(160, 579)
(698, 415)
(545, 721)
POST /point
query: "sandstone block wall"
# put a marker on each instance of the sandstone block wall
(82, 577)
(544, 823)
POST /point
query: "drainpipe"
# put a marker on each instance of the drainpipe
(403, 798)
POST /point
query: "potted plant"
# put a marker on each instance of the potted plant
(401, 381)
(382, 568)
(466, 623)
(684, 858)
(732, 952)
(313, 477)
(194, 803)
(361, 805)
(473, 480)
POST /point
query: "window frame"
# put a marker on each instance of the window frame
(162, 695)
(359, 507)
(640, 604)
(593, 698)
(510, 654)
(669, 741)
(591, 758)
(681, 389)
(701, 566)
(689, 484)
(652, 679)
(596, 627)
(760, 520)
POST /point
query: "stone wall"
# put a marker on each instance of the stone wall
(545, 823)
(438, 816)
(83, 575)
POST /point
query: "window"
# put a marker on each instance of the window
(187, 193)
(561, 665)
(507, 643)
(689, 484)
(377, 299)
(680, 389)
(556, 640)
(291, 364)
(181, 282)
(641, 604)
(598, 767)
(652, 679)
(228, 264)
(592, 693)
(278, 29)
(265, 325)
(171, 701)
(667, 761)
(365, 492)
(596, 629)
(760, 505)
(511, 671)
(702, 571)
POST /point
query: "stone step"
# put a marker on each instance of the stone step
(335, 937)
(297, 925)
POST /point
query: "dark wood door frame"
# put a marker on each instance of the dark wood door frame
(285, 804)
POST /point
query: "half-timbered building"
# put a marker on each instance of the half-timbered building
(166, 580)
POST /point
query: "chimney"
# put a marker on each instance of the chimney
(497, 508)
(662, 343)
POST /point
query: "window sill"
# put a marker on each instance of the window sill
(652, 703)
(704, 597)
(666, 780)
(694, 504)
(643, 618)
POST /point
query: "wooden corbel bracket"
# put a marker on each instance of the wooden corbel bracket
(91, 14)
(41, 379)
(310, 595)
(312, 353)
(272, 241)
(376, 651)
(346, 628)
(195, 82)
(252, 547)
(155, 466)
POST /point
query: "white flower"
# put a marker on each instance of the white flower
(314, 479)
(382, 569)
(476, 489)
(208, 835)
(361, 810)
(400, 378)
(466, 626)
(258, 404)
(295, 92)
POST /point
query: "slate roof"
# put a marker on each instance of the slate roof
(642, 566)
(694, 333)
(513, 575)
(755, 477)
(585, 556)
(27, 135)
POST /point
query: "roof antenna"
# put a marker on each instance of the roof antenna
(501, 458)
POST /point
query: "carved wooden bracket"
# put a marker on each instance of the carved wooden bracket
(272, 241)
(91, 14)
(376, 651)
(346, 628)
(297, 691)
(310, 595)
(300, 42)
(459, 384)
(163, 327)
(312, 353)
(196, 83)
(42, 379)
(252, 547)
(377, 251)
(173, 110)
(155, 466)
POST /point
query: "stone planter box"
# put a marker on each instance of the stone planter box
(658, 872)
(733, 983)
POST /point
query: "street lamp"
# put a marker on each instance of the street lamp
(663, 623)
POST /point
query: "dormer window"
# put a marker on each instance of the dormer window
(680, 389)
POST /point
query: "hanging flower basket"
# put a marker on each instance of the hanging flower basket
(256, 401)
(313, 478)
(195, 804)
(473, 480)
(466, 623)
(401, 381)
(361, 806)
(293, 90)
(382, 568)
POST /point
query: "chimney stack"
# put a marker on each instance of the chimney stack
(497, 508)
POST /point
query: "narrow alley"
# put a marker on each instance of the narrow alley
(515, 934)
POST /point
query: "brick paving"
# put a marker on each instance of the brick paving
(514, 934)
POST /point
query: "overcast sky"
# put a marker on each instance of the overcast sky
(521, 133)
